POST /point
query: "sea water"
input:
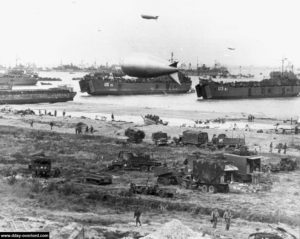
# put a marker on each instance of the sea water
(92, 106)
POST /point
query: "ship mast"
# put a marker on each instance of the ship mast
(282, 65)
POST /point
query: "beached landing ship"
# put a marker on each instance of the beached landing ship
(280, 84)
(52, 95)
(100, 84)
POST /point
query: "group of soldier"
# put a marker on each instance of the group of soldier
(280, 147)
(78, 130)
(226, 216)
(214, 217)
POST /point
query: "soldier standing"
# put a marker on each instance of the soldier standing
(271, 147)
(227, 217)
(137, 215)
(279, 148)
(284, 148)
(214, 217)
(51, 125)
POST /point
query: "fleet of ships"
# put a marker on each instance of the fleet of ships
(168, 80)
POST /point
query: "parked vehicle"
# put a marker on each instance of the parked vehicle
(168, 176)
(40, 166)
(133, 161)
(194, 137)
(246, 165)
(154, 190)
(160, 138)
(97, 179)
(209, 173)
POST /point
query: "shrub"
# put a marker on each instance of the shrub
(11, 180)
(36, 186)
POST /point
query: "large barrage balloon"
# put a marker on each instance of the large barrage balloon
(147, 66)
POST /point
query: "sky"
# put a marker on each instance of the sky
(50, 32)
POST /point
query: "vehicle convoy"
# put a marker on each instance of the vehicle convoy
(133, 161)
(194, 137)
(209, 173)
(105, 84)
(41, 166)
(154, 190)
(280, 84)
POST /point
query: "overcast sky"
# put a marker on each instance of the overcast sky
(50, 31)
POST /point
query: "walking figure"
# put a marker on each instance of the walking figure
(92, 129)
(284, 148)
(64, 113)
(87, 129)
(271, 147)
(227, 217)
(137, 215)
(31, 123)
(55, 113)
(214, 217)
(112, 117)
(279, 148)
(51, 125)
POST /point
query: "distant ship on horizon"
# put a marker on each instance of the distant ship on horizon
(18, 77)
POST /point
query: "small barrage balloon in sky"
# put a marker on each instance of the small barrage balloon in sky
(231, 48)
(149, 17)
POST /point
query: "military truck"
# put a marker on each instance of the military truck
(40, 166)
(160, 138)
(194, 137)
(133, 161)
(154, 190)
(209, 173)
(246, 165)
(230, 142)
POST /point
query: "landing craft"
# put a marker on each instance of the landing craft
(148, 17)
